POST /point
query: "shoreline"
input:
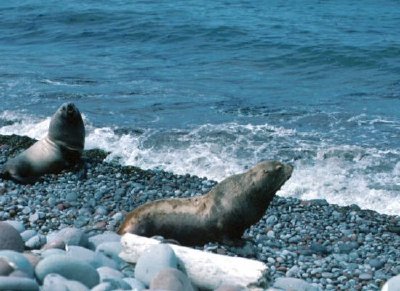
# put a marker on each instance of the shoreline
(330, 246)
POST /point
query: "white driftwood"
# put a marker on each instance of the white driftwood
(205, 270)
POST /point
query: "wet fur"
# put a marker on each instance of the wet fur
(224, 213)
(60, 149)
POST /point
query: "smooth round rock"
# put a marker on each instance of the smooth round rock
(103, 286)
(95, 259)
(108, 236)
(393, 284)
(293, 284)
(153, 260)
(171, 279)
(34, 259)
(110, 250)
(107, 273)
(112, 285)
(36, 242)
(70, 236)
(227, 287)
(376, 263)
(10, 238)
(51, 252)
(5, 267)
(55, 244)
(69, 268)
(27, 234)
(118, 283)
(19, 274)
(55, 282)
(135, 284)
(18, 283)
(18, 261)
(18, 225)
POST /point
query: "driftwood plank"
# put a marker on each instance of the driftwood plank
(205, 270)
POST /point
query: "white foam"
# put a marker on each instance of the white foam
(344, 181)
(206, 151)
(341, 174)
(24, 125)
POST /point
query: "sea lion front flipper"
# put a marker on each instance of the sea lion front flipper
(4, 174)
(233, 242)
(81, 169)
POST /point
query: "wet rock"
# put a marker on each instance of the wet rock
(96, 240)
(70, 236)
(155, 259)
(70, 268)
(10, 238)
(5, 267)
(18, 261)
(55, 282)
(294, 284)
(171, 279)
(17, 283)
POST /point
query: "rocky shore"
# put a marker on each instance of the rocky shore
(68, 223)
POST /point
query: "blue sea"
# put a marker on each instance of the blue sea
(211, 88)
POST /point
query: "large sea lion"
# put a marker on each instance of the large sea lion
(60, 149)
(221, 215)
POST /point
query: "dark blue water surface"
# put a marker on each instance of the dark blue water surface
(212, 87)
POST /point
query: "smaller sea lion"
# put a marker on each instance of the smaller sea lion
(222, 214)
(62, 148)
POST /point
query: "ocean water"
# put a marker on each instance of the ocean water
(212, 87)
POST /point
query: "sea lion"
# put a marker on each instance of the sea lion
(60, 149)
(221, 215)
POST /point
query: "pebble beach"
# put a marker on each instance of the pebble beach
(61, 232)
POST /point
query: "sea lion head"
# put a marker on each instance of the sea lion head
(269, 176)
(66, 127)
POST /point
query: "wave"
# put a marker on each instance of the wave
(341, 174)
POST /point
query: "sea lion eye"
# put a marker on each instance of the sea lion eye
(278, 167)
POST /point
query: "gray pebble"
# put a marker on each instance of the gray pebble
(55, 282)
(17, 283)
(376, 263)
(171, 279)
(95, 259)
(118, 283)
(365, 276)
(18, 261)
(108, 236)
(36, 242)
(135, 284)
(18, 225)
(70, 236)
(293, 271)
(70, 268)
(153, 260)
(111, 250)
(27, 234)
(5, 267)
(271, 220)
(10, 238)
(227, 287)
(52, 252)
(294, 284)
(71, 197)
(107, 273)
